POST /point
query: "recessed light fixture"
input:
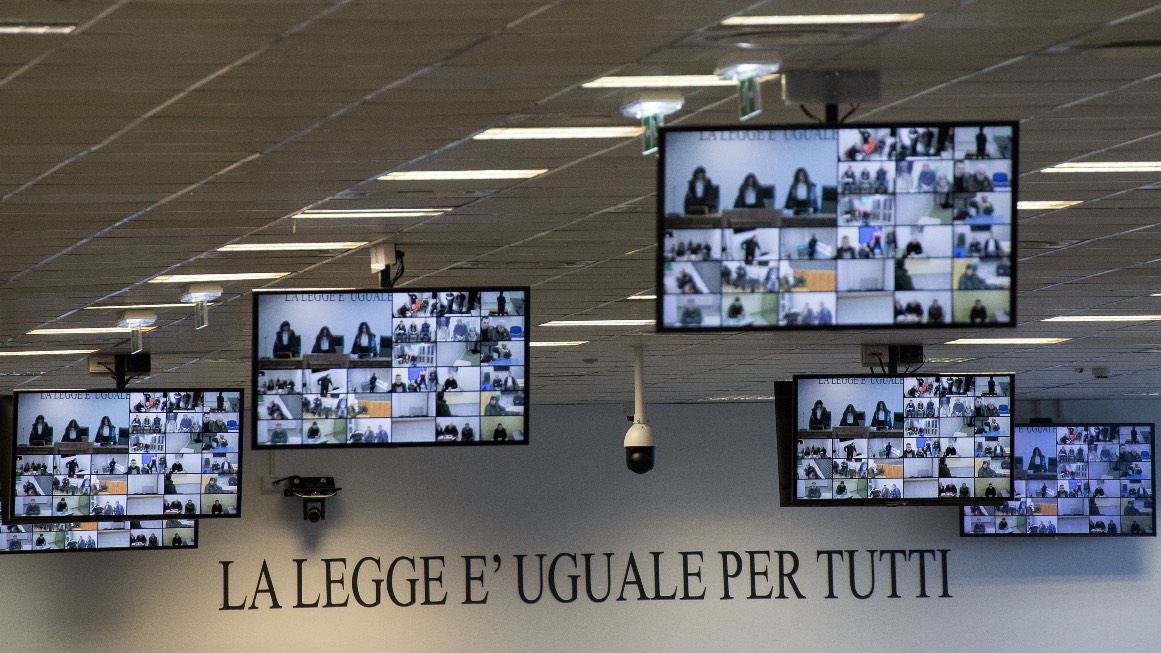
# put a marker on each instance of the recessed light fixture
(658, 81)
(824, 19)
(48, 352)
(37, 28)
(536, 133)
(129, 307)
(291, 247)
(1007, 341)
(338, 214)
(641, 297)
(1102, 318)
(1106, 166)
(84, 331)
(584, 323)
(446, 175)
(557, 343)
(137, 319)
(229, 276)
(1045, 205)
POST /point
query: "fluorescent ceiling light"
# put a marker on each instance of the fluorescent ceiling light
(201, 292)
(124, 307)
(84, 330)
(37, 28)
(749, 70)
(444, 175)
(583, 323)
(1107, 166)
(658, 81)
(291, 247)
(48, 352)
(1102, 318)
(946, 361)
(1045, 205)
(332, 214)
(1007, 341)
(230, 276)
(824, 19)
(535, 133)
(656, 103)
(740, 398)
(558, 343)
(641, 297)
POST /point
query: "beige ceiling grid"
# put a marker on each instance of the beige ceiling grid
(160, 131)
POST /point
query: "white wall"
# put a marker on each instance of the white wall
(714, 489)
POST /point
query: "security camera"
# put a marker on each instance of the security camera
(639, 448)
(314, 491)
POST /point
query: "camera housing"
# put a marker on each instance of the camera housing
(314, 491)
(639, 448)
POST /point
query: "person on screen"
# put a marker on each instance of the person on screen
(935, 312)
(284, 341)
(313, 432)
(840, 490)
(848, 418)
(819, 417)
(176, 541)
(493, 408)
(701, 197)
(749, 194)
(964, 490)
(1004, 267)
(500, 434)
(969, 280)
(813, 492)
(71, 432)
(398, 385)
(913, 311)
(39, 431)
(882, 419)
(324, 342)
(979, 182)
(467, 433)
(944, 470)
(979, 313)
(823, 316)
(982, 205)
(106, 432)
(381, 435)
(802, 197)
(845, 249)
(690, 315)
(366, 345)
(913, 247)
(442, 409)
(902, 276)
(325, 384)
(509, 384)
(990, 491)
(926, 179)
(459, 331)
(992, 247)
(278, 435)
(847, 180)
(212, 486)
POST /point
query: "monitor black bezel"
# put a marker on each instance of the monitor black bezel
(9, 505)
(659, 269)
(1039, 536)
(254, 367)
(788, 451)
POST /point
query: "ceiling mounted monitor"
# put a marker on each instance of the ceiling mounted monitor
(123, 456)
(930, 439)
(1075, 479)
(907, 224)
(403, 367)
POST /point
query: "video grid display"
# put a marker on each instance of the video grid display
(907, 224)
(77, 536)
(928, 439)
(1091, 480)
(125, 456)
(404, 367)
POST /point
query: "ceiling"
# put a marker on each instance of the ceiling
(160, 131)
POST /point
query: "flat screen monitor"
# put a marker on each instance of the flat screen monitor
(381, 368)
(172, 533)
(126, 455)
(931, 439)
(1075, 479)
(905, 224)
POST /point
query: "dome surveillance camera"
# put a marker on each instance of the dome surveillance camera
(639, 448)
